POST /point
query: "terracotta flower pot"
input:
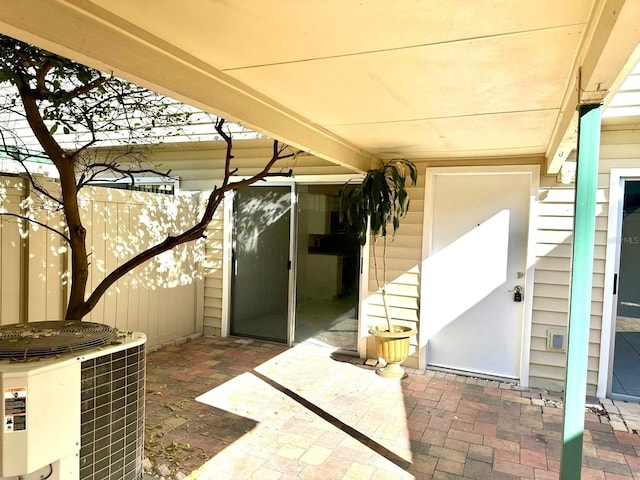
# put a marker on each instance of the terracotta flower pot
(393, 347)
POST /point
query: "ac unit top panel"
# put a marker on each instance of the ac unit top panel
(41, 407)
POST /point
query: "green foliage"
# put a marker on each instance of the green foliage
(381, 199)
(81, 102)
(72, 110)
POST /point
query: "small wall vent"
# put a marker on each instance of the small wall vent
(557, 339)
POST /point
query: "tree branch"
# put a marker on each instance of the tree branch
(124, 172)
(31, 220)
(84, 88)
(128, 171)
(40, 78)
(40, 130)
(228, 154)
(35, 184)
(93, 140)
(39, 188)
(193, 233)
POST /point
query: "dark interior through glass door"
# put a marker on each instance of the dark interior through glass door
(626, 358)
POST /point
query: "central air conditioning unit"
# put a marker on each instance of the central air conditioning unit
(73, 402)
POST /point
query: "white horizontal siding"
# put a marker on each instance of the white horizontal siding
(201, 166)
(396, 302)
(563, 237)
(553, 250)
(404, 256)
(213, 273)
(559, 278)
(566, 223)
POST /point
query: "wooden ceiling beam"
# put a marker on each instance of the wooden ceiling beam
(83, 31)
(612, 34)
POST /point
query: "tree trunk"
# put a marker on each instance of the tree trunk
(382, 286)
(77, 237)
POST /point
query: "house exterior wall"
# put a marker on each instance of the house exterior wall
(158, 298)
(404, 256)
(554, 235)
(552, 250)
(552, 280)
(552, 276)
(199, 167)
(153, 306)
(620, 148)
(213, 274)
(404, 259)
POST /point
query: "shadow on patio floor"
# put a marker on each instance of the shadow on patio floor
(228, 408)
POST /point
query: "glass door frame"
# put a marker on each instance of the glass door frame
(227, 260)
(229, 228)
(618, 178)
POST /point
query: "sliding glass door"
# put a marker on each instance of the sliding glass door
(261, 266)
(626, 359)
(311, 295)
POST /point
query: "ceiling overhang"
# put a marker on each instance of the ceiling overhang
(604, 58)
(131, 53)
(360, 81)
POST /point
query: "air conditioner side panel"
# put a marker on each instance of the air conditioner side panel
(52, 416)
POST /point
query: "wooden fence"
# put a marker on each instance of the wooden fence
(162, 298)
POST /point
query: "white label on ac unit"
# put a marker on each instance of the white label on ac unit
(15, 409)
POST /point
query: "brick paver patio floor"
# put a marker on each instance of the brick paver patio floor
(228, 408)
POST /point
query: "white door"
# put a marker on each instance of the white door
(477, 257)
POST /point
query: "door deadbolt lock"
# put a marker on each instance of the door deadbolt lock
(517, 293)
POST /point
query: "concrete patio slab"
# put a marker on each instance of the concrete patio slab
(225, 408)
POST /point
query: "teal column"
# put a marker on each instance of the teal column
(580, 299)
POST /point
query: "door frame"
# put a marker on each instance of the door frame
(617, 178)
(227, 257)
(533, 171)
(227, 290)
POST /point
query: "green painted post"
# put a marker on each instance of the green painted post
(580, 299)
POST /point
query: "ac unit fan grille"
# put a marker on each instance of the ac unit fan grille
(22, 341)
(112, 416)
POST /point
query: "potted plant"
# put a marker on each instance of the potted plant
(379, 202)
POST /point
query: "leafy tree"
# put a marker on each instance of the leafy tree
(374, 205)
(72, 109)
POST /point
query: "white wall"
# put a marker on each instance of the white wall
(213, 274)
(200, 167)
(404, 256)
(553, 249)
(620, 148)
(552, 279)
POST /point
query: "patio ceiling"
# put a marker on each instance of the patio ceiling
(353, 81)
